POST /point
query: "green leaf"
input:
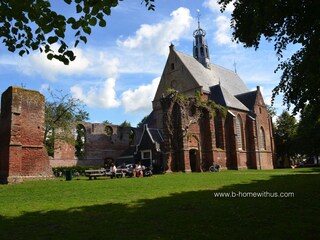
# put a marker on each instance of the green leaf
(83, 38)
(14, 30)
(52, 39)
(107, 11)
(59, 33)
(77, 33)
(22, 52)
(79, 8)
(76, 43)
(87, 30)
(70, 55)
(93, 21)
(65, 61)
(68, 1)
(71, 20)
(102, 23)
(38, 30)
(63, 47)
(86, 9)
(50, 56)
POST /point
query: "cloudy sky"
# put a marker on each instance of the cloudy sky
(117, 72)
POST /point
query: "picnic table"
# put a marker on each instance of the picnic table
(94, 173)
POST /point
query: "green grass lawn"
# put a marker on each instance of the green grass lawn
(171, 206)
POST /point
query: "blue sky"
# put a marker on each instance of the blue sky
(117, 72)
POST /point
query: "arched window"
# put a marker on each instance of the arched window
(218, 127)
(262, 139)
(109, 131)
(239, 136)
(131, 137)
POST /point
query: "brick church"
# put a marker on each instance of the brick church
(206, 114)
(202, 114)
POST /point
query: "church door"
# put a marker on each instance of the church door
(194, 159)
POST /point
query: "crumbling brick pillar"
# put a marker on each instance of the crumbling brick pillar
(22, 152)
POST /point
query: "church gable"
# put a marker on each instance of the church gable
(252, 99)
(176, 76)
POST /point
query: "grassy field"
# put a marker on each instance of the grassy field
(171, 206)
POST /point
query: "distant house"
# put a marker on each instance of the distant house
(149, 149)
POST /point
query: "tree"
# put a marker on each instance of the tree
(272, 111)
(107, 122)
(285, 137)
(284, 22)
(309, 132)
(125, 124)
(140, 124)
(60, 115)
(34, 24)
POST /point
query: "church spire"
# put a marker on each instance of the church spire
(200, 46)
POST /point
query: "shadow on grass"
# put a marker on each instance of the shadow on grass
(187, 215)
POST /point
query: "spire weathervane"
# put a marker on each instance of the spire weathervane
(200, 46)
(198, 10)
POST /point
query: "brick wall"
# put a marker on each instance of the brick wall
(22, 152)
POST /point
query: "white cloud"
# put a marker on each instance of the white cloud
(103, 95)
(215, 7)
(222, 36)
(140, 99)
(52, 69)
(157, 37)
(143, 52)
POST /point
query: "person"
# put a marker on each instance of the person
(139, 170)
(113, 170)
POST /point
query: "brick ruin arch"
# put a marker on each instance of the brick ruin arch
(80, 141)
(22, 152)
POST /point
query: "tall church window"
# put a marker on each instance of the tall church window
(239, 136)
(218, 127)
(262, 139)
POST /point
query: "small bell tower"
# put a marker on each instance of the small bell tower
(200, 46)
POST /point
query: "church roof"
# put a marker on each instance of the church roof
(208, 77)
(221, 96)
(222, 84)
(248, 98)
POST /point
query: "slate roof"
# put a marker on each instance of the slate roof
(150, 120)
(221, 96)
(213, 76)
(248, 99)
(156, 134)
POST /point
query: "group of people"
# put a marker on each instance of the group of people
(135, 169)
